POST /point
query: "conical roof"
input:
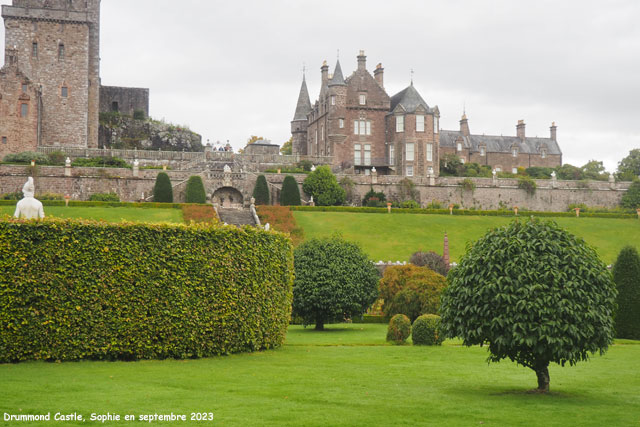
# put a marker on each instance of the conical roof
(304, 104)
(338, 78)
(410, 99)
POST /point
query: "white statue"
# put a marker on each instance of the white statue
(267, 227)
(313, 168)
(227, 169)
(67, 162)
(29, 207)
(553, 174)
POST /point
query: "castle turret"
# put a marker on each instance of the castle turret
(464, 126)
(300, 121)
(338, 78)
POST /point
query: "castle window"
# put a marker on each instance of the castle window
(429, 152)
(333, 100)
(543, 153)
(65, 92)
(409, 170)
(514, 151)
(419, 123)
(483, 151)
(34, 50)
(60, 52)
(24, 110)
(341, 123)
(321, 133)
(24, 88)
(399, 124)
(115, 107)
(357, 159)
(392, 153)
(459, 146)
(363, 99)
(362, 127)
(4, 140)
(436, 124)
(367, 155)
(463, 160)
(409, 151)
(368, 127)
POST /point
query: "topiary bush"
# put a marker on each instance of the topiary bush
(323, 186)
(194, 192)
(426, 330)
(430, 260)
(290, 194)
(93, 290)
(162, 190)
(335, 280)
(399, 329)
(626, 275)
(261, 191)
(103, 197)
(411, 290)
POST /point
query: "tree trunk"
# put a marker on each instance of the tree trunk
(319, 325)
(542, 372)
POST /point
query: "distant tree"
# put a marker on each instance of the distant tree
(533, 293)
(162, 190)
(626, 275)
(323, 186)
(569, 172)
(195, 192)
(631, 199)
(629, 167)
(537, 172)
(253, 138)
(290, 194)
(334, 280)
(261, 191)
(430, 260)
(449, 164)
(594, 170)
(349, 187)
(287, 147)
(374, 199)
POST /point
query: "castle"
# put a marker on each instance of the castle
(50, 89)
(364, 130)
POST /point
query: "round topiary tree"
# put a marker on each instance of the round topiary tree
(535, 294)
(426, 330)
(290, 194)
(626, 275)
(411, 290)
(430, 260)
(162, 190)
(334, 280)
(323, 186)
(399, 329)
(261, 191)
(195, 190)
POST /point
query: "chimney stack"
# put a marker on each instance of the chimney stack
(324, 70)
(464, 126)
(520, 129)
(362, 61)
(554, 132)
(379, 75)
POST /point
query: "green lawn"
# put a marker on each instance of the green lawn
(117, 214)
(346, 375)
(395, 237)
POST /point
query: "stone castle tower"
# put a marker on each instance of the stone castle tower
(50, 84)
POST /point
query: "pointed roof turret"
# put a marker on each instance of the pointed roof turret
(410, 100)
(338, 78)
(304, 104)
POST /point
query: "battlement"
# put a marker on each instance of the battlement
(30, 11)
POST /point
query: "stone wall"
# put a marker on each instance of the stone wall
(125, 100)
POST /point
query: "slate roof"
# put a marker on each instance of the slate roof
(304, 104)
(338, 78)
(499, 144)
(410, 99)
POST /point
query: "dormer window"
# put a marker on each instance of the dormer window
(543, 153)
(399, 124)
(419, 123)
(483, 151)
(514, 151)
(363, 99)
(459, 147)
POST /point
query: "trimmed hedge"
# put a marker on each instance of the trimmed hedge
(79, 203)
(195, 192)
(104, 197)
(626, 275)
(426, 330)
(464, 212)
(290, 194)
(75, 290)
(261, 191)
(162, 190)
(399, 329)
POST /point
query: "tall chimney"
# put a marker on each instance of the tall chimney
(520, 130)
(379, 75)
(324, 70)
(464, 126)
(362, 61)
(554, 132)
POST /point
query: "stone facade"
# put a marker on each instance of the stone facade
(125, 100)
(356, 123)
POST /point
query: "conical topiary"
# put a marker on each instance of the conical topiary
(626, 275)
(261, 191)
(162, 191)
(290, 195)
(195, 190)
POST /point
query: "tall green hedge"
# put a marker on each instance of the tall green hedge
(626, 275)
(162, 190)
(72, 290)
(290, 195)
(261, 191)
(195, 190)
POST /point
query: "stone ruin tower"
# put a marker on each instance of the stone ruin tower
(51, 77)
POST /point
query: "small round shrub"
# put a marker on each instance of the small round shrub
(430, 260)
(399, 329)
(426, 330)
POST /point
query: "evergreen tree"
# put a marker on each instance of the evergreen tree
(631, 199)
(261, 191)
(162, 191)
(290, 195)
(195, 190)
(626, 275)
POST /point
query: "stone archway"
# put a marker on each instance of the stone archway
(227, 197)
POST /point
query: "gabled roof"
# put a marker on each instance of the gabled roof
(337, 79)
(410, 100)
(304, 104)
(500, 144)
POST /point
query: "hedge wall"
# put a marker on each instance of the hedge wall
(72, 290)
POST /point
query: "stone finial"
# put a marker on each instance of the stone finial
(374, 170)
(554, 175)
(136, 163)
(494, 173)
(67, 162)
(227, 169)
(313, 168)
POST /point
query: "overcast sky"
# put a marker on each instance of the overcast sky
(229, 70)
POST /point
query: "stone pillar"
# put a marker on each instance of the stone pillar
(554, 180)
(67, 167)
(136, 168)
(495, 177)
(374, 175)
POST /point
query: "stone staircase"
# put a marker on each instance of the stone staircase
(236, 217)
